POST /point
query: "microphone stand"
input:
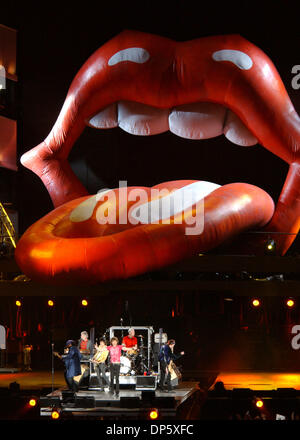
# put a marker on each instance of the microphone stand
(52, 365)
(122, 331)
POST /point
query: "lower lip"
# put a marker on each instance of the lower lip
(60, 251)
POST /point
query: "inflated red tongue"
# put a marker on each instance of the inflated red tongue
(79, 241)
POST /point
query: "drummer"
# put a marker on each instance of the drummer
(130, 341)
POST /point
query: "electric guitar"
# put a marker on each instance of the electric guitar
(100, 356)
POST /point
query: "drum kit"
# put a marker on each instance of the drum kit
(133, 363)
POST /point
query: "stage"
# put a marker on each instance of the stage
(185, 402)
(256, 380)
(129, 403)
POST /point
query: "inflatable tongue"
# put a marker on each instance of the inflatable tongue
(146, 85)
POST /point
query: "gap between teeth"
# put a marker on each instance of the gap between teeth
(201, 120)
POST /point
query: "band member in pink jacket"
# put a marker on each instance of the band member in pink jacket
(115, 363)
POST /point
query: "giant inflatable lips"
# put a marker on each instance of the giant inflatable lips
(146, 85)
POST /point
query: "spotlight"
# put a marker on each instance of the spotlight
(255, 302)
(153, 415)
(84, 303)
(259, 403)
(270, 246)
(32, 402)
(18, 303)
(50, 303)
(55, 414)
(290, 302)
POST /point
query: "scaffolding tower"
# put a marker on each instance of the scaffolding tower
(7, 234)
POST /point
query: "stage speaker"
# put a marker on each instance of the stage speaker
(242, 392)
(148, 395)
(130, 402)
(286, 392)
(165, 402)
(85, 402)
(67, 396)
(48, 401)
(145, 383)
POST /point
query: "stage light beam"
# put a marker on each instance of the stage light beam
(84, 303)
(259, 403)
(153, 414)
(50, 303)
(55, 414)
(18, 303)
(256, 302)
(32, 402)
(290, 302)
(270, 246)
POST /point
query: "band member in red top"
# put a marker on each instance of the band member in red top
(85, 345)
(130, 341)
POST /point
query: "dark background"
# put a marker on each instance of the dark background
(216, 334)
(54, 40)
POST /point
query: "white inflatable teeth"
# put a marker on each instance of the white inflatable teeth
(141, 119)
(236, 132)
(106, 118)
(201, 120)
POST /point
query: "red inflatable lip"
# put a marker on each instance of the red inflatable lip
(162, 73)
(60, 249)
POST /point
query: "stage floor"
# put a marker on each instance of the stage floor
(256, 380)
(259, 380)
(33, 380)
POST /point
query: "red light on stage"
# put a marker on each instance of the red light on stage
(32, 402)
(153, 414)
(290, 303)
(55, 414)
(256, 303)
(259, 403)
(84, 303)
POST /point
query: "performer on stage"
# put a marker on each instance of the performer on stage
(165, 357)
(85, 345)
(99, 362)
(115, 363)
(130, 341)
(72, 364)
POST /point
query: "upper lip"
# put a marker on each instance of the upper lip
(175, 74)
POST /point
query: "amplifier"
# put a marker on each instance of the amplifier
(164, 338)
(145, 383)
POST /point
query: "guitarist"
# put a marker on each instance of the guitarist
(72, 364)
(99, 362)
(165, 357)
